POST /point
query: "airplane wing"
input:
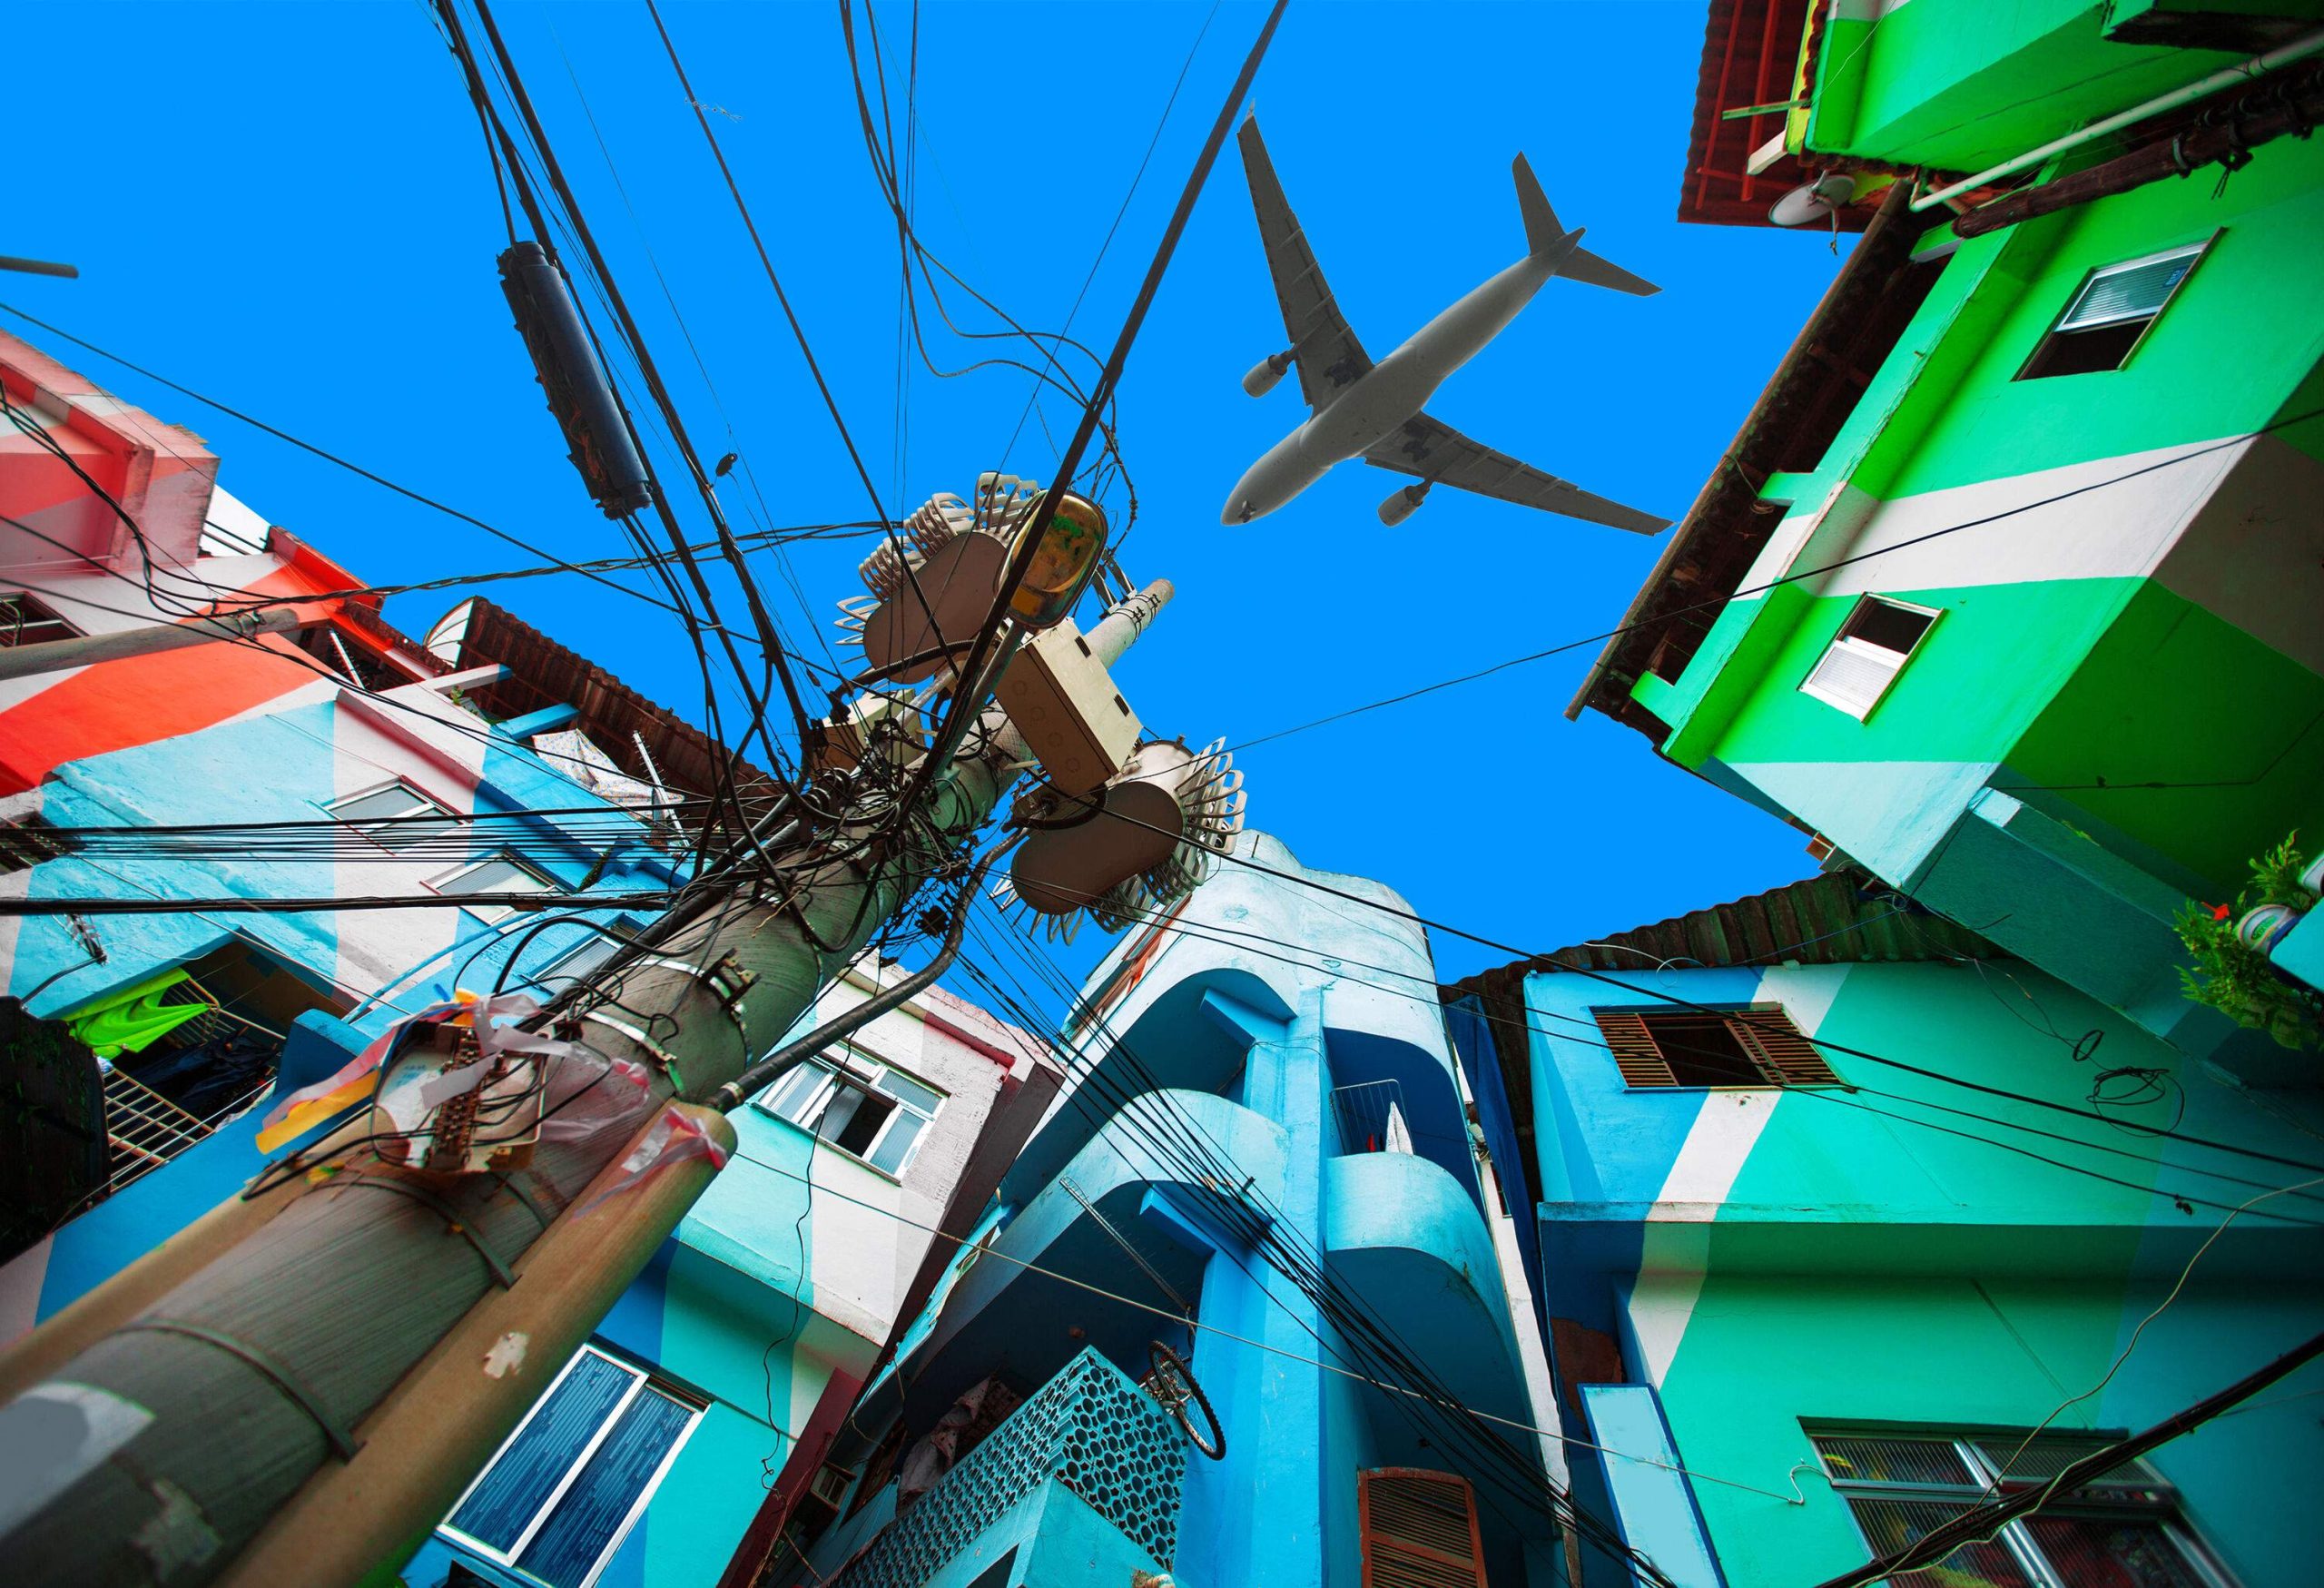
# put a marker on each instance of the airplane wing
(1438, 453)
(1328, 353)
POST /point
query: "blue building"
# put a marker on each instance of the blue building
(1259, 1164)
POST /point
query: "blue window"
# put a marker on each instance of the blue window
(561, 1494)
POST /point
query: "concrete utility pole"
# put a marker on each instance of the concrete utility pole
(52, 656)
(299, 1386)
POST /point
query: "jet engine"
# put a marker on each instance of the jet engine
(1403, 504)
(1267, 372)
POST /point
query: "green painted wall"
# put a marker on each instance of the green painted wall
(1960, 85)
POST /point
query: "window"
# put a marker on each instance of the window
(877, 1112)
(1867, 654)
(1755, 1045)
(1418, 1529)
(374, 815)
(2123, 1529)
(24, 621)
(560, 1495)
(578, 964)
(2109, 314)
(502, 873)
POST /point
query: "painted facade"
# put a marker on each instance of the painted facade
(1733, 1272)
(729, 1365)
(1260, 1085)
(2114, 694)
(761, 1319)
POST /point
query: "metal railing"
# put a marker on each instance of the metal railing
(1373, 1117)
(1089, 1428)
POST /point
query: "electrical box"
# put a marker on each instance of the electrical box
(1059, 695)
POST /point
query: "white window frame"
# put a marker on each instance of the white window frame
(492, 913)
(2194, 252)
(611, 936)
(2167, 1512)
(639, 1378)
(428, 805)
(855, 1062)
(1894, 661)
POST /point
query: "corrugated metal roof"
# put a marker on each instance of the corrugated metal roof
(545, 673)
(1835, 919)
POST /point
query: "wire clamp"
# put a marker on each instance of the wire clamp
(500, 1273)
(294, 1388)
(663, 1060)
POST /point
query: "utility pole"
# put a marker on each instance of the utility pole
(196, 1400)
(52, 656)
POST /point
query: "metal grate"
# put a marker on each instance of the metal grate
(1089, 1428)
(2048, 1455)
(143, 1128)
(1891, 1525)
(1372, 1117)
(1891, 1459)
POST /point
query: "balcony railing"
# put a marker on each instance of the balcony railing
(1089, 1428)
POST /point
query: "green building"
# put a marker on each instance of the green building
(2009, 587)
(1826, 1241)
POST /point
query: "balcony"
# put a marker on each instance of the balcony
(1090, 1441)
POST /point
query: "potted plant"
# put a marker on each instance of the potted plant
(2229, 942)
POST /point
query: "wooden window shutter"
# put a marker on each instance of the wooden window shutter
(1789, 1057)
(1419, 1529)
(1634, 1047)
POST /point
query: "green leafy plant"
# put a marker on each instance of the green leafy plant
(2240, 980)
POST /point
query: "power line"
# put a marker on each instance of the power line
(332, 458)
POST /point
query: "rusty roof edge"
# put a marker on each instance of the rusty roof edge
(1734, 463)
(1829, 904)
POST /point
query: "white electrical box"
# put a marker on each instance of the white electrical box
(1059, 695)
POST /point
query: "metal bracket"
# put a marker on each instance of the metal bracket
(654, 1049)
(442, 1209)
(275, 1372)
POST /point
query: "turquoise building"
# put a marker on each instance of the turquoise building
(1835, 1205)
(1259, 1167)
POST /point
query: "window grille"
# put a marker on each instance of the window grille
(1864, 659)
(2109, 314)
(563, 1492)
(1419, 1530)
(25, 620)
(866, 1107)
(1755, 1045)
(2125, 1527)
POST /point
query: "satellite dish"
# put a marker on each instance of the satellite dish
(1816, 202)
(938, 608)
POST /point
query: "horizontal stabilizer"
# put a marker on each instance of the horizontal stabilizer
(1582, 265)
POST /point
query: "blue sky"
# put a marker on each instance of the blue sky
(290, 209)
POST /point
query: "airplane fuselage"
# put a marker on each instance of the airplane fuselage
(1377, 403)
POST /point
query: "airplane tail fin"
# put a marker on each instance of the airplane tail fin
(1544, 235)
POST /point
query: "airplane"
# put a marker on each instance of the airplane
(1374, 411)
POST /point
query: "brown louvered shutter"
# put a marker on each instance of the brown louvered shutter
(1419, 1530)
(1634, 1047)
(1788, 1057)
